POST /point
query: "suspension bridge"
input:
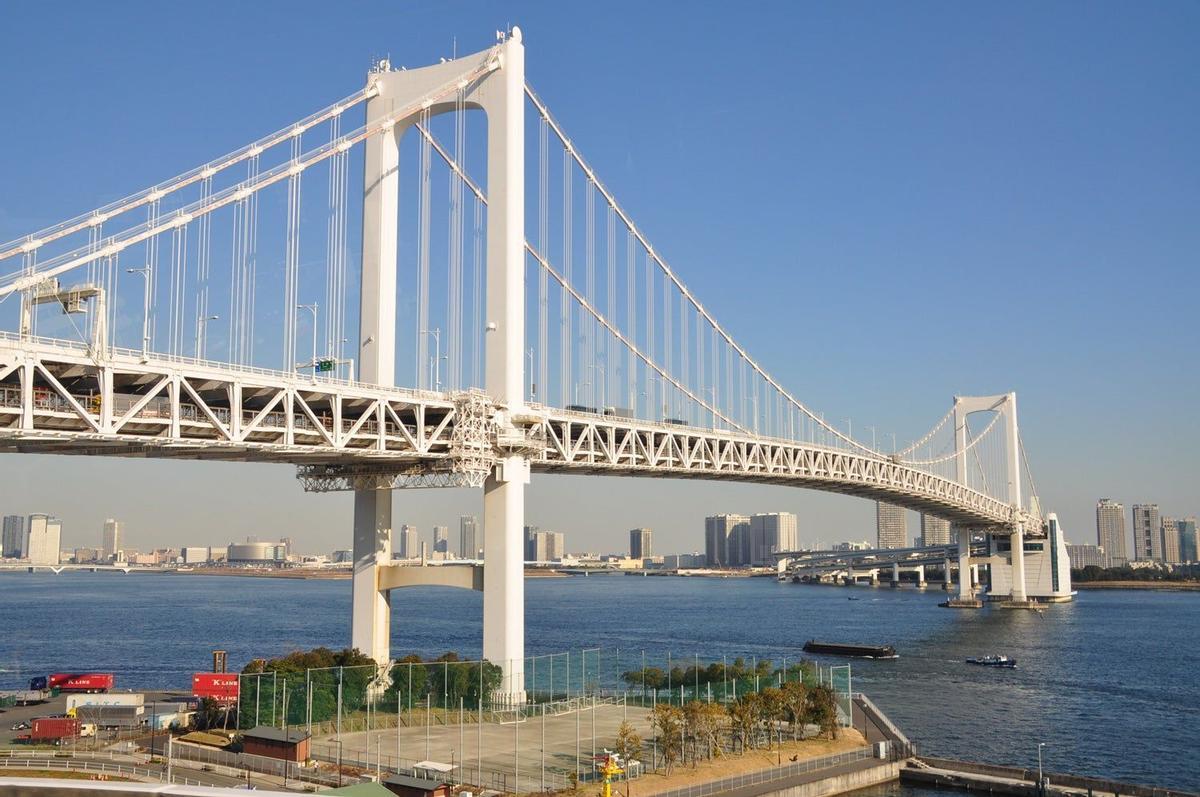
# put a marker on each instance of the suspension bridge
(426, 284)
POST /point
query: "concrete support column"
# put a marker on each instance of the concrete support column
(965, 592)
(504, 573)
(370, 626)
(921, 576)
(947, 581)
(895, 574)
(1018, 565)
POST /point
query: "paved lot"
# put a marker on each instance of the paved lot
(15, 714)
(505, 746)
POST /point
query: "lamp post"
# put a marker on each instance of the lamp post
(201, 329)
(532, 384)
(435, 368)
(145, 272)
(312, 308)
(1040, 746)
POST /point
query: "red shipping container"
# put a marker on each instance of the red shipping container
(50, 728)
(222, 687)
(87, 682)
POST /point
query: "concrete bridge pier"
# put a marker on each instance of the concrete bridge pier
(947, 581)
(895, 575)
(921, 577)
(966, 577)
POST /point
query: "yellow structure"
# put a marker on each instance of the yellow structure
(609, 770)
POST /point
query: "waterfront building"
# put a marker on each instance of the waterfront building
(12, 545)
(195, 555)
(86, 556)
(723, 535)
(43, 539)
(684, 561)
(861, 545)
(1082, 556)
(470, 544)
(1189, 541)
(1110, 532)
(250, 552)
(1047, 564)
(110, 539)
(345, 555)
(934, 531)
(409, 543)
(641, 545)
(1170, 541)
(441, 539)
(1147, 533)
(891, 525)
(769, 533)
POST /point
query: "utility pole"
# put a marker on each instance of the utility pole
(145, 272)
(312, 308)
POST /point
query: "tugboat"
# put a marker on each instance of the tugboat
(994, 661)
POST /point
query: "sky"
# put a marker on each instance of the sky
(887, 205)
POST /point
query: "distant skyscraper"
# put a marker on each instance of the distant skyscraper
(110, 539)
(1170, 541)
(410, 543)
(1147, 533)
(43, 540)
(723, 536)
(1189, 542)
(641, 543)
(469, 543)
(891, 525)
(441, 539)
(12, 545)
(771, 532)
(1110, 532)
(544, 546)
(934, 530)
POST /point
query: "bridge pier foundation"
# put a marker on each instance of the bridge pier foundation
(504, 573)
(966, 594)
(371, 620)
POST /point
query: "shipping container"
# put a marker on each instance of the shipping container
(222, 687)
(48, 729)
(82, 682)
(39, 683)
(74, 701)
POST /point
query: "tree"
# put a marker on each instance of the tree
(208, 715)
(795, 698)
(822, 710)
(743, 718)
(771, 710)
(704, 723)
(667, 722)
(629, 744)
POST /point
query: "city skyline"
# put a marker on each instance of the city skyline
(982, 212)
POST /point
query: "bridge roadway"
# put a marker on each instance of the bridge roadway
(62, 397)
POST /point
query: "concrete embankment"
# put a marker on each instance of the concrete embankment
(993, 779)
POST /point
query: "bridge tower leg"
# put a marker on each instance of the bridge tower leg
(370, 626)
(504, 378)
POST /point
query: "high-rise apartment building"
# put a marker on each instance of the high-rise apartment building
(441, 539)
(110, 541)
(641, 543)
(1170, 541)
(723, 537)
(1147, 533)
(470, 544)
(544, 546)
(43, 540)
(934, 530)
(1189, 542)
(891, 525)
(409, 543)
(12, 544)
(1110, 532)
(771, 532)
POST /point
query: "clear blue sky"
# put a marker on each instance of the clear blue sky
(887, 204)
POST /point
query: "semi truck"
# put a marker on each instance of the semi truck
(74, 682)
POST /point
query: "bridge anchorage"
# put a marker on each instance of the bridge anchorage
(476, 348)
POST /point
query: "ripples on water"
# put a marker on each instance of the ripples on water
(1110, 682)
